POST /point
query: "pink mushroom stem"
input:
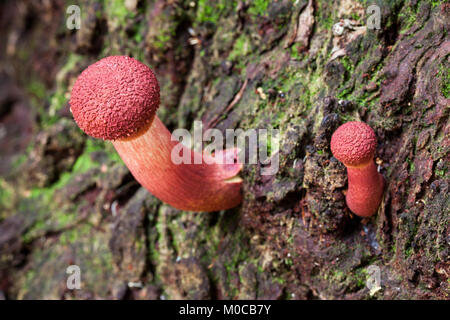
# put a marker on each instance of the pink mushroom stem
(191, 187)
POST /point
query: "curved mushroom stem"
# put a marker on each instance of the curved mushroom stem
(190, 187)
(365, 189)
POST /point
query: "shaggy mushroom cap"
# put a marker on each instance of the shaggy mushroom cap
(354, 143)
(115, 98)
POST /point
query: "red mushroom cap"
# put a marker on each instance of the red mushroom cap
(353, 143)
(115, 98)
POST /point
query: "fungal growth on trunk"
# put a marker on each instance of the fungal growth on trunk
(116, 99)
(354, 145)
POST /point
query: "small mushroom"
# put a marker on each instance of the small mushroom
(354, 144)
(116, 99)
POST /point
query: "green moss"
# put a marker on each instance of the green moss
(43, 198)
(295, 53)
(409, 252)
(73, 235)
(338, 275)
(211, 11)
(259, 7)
(161, 40)
(344, 93)
(279, 280)
(39, 95)
(440, 173)
(242, 47)
(37, 90)
(355, 16)
(206, 13)
(407, 18)
(348, 64)
(117, 13)
(84, 161)
(60, 97)
(444, 74)
(7, 195)
(360, 277)
(326, 17)
(435, 3)
(411, 165)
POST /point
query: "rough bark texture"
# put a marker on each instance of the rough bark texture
(68, 199)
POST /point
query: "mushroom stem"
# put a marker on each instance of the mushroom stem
(354, 144)
(190, 187)
(365, 189)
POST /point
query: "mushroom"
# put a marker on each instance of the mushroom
(116, 99)
(354, 144)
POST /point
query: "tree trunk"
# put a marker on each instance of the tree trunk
(303, 67)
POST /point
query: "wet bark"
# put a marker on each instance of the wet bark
(68, 199)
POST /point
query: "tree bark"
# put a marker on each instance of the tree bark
(303, 67)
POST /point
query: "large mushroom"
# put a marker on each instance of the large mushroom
(354, 144)
(116, 99)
